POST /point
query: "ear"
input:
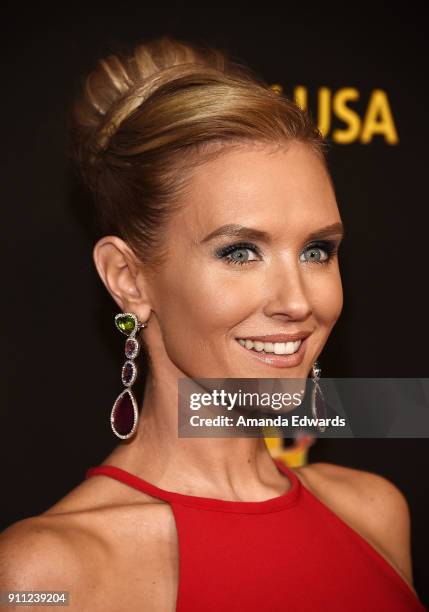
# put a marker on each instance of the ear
(122, 275)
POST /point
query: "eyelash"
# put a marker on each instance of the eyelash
(329, 246)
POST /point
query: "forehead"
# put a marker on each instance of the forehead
(260, 187)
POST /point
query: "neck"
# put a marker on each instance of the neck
(229, 467)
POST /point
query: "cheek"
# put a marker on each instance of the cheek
(327, 298)
(203, 304)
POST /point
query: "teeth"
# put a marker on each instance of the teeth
(278, 348)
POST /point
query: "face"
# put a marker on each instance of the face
(251, 287)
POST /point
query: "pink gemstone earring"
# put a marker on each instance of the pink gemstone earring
(318, 407)
(124, 415)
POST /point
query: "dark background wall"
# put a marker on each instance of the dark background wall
(62, 355)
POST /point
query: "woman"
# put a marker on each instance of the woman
(220, 237)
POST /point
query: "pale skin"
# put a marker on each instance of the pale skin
(196, 307)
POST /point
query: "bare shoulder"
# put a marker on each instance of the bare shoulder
(78, 551)
(36, 555)
(369, 503)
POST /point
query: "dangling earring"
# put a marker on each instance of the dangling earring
(124, 415)
(318, 407)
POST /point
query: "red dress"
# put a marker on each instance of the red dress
(286, 554)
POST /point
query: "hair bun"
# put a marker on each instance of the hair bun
(121, 83)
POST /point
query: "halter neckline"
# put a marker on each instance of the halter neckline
(285, 500)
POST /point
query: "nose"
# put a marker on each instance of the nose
(287, 293)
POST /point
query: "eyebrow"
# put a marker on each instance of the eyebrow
(241, 231)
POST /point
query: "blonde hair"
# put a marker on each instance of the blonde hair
(145, 120)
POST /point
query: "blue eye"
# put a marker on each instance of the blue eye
(320, 253)
(244, 253)
(238, 254)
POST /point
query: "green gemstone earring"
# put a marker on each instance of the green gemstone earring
(124, 415)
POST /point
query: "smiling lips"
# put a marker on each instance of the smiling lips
(278, 348)
(278, 344)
